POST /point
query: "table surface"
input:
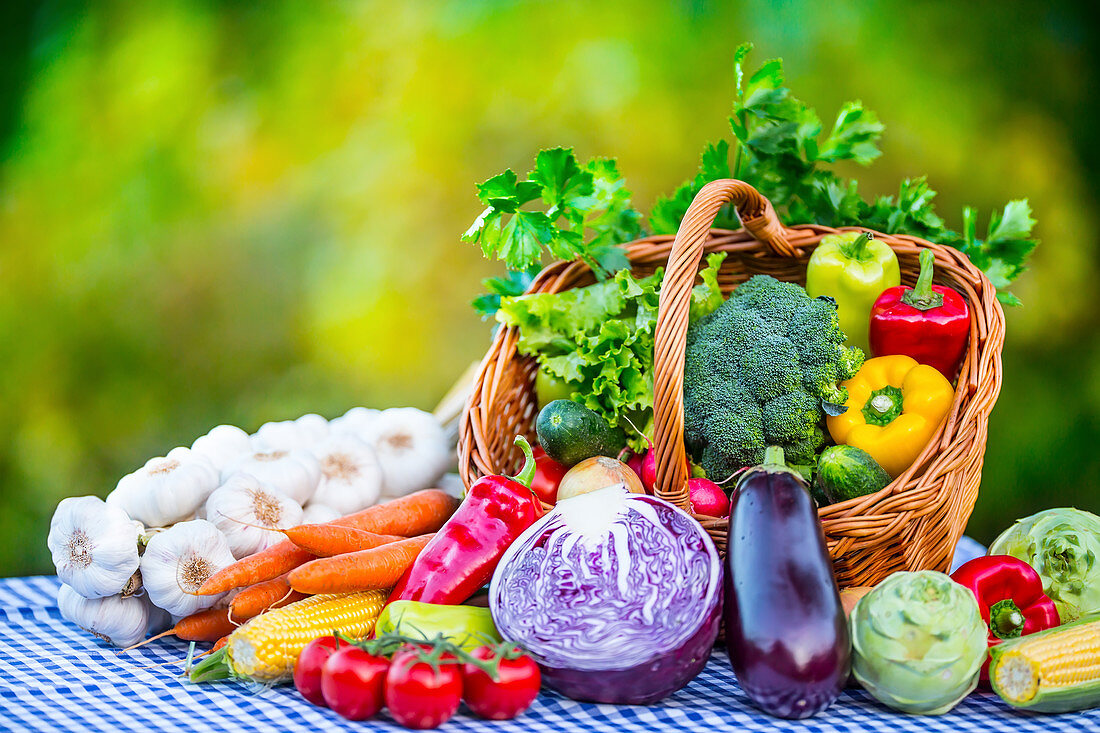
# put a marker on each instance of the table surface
(56, 677)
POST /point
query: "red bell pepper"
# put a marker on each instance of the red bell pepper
(548, 474)
(1010, 597)
(928, 322)
(465, 551)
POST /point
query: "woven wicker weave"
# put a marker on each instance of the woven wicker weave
(912, 524)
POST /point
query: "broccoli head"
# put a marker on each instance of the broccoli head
(758, 371)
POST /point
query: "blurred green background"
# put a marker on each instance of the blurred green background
(242, 212)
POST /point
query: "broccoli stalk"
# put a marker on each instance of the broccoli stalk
(760, 371)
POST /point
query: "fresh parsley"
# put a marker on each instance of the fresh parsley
(569, 210)
(779, 148)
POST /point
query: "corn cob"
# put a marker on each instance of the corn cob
(266, 648)
(1053, 671)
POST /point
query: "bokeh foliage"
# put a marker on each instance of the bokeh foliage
(236, 213)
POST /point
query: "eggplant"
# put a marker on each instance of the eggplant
(786, 633)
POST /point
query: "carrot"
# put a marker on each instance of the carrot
(415, 514)
(220, 643)
(378, 568)
(255, 599)
(326, 540)
(208, 625)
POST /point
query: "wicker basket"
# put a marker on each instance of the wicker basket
(912, 524)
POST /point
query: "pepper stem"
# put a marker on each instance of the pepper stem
(857, 248)
(1006, 620)
(527, 473)
(884, 406)
(922, 296)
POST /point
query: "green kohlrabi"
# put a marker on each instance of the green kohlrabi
(918, 642)
(1063, 545)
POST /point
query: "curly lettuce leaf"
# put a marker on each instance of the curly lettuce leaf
(599, 339)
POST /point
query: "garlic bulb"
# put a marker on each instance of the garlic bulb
(179, 560)
(355, 421)
(315, 513)
(243, 506)
(222, 445)
(295, 473)
(166, 490)
(115, 619)
(351, 478)
(303, 433)
(412, 448)
(94, 547)
(452, 484)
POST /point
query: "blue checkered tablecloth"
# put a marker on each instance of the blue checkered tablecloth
(55, 677)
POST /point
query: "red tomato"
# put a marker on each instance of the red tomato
(419, 695)
(307, 670)
(548, 473)
(352, 682)
(516, 686)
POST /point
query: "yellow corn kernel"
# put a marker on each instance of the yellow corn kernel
(266, 648)
(1048, 662)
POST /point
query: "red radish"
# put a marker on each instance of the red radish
(635, 463)
(649, 470)
(707, 497)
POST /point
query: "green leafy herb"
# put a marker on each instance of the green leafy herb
(515, 282)
(599, 339)
(780, 148)
(586, 214)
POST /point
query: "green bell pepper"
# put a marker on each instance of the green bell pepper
(467, 626)
(853, 269)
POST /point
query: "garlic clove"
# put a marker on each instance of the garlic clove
(295, 473)
(412, 448)
(178, 561)
(351, 476)
(243, 506)
(222, 445)
(315, 513)
(94, 546)
(300, 434)
(166, 490)
(114, 619)
(356, 421)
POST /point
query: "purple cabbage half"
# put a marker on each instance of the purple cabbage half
(616, 595)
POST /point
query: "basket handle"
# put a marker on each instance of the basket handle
(759, 219)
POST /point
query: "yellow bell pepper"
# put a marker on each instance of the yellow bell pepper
(894, 406)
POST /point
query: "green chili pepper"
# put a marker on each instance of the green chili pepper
(467, 626)
(853, 269)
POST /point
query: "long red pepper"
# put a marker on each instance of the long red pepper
(465, 551)
(1010, 597)
(928, 322)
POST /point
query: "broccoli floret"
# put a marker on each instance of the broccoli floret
(756, 373)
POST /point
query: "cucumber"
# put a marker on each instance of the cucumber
(569, 432)
(846, 472)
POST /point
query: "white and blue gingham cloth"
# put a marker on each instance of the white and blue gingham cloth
(56, 677)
